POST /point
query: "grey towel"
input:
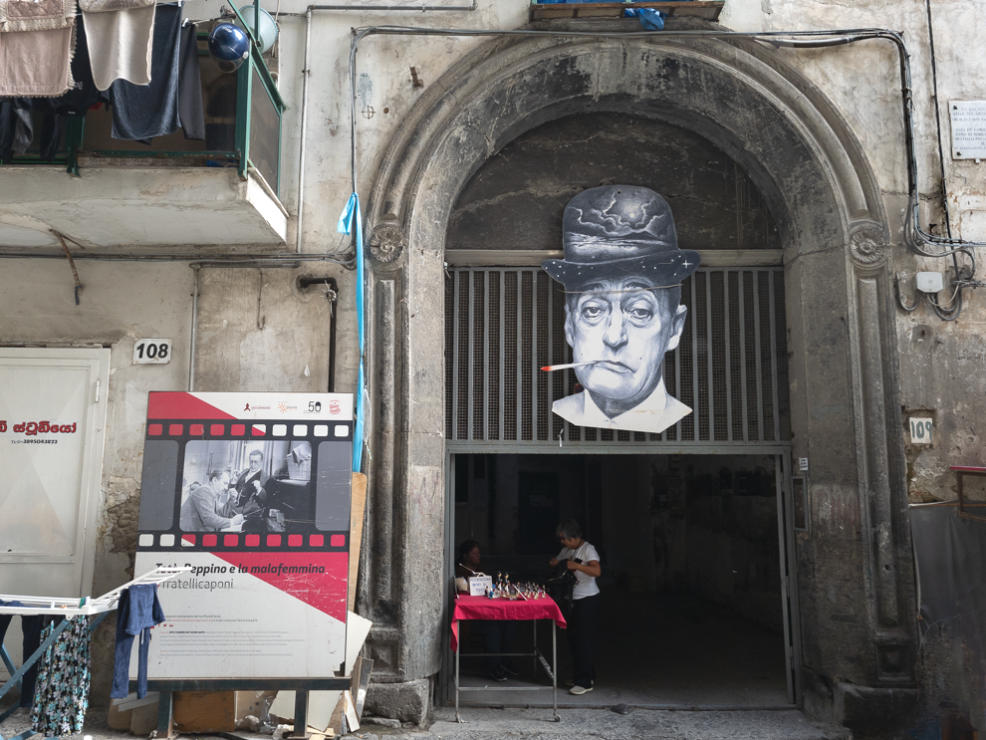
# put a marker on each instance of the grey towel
(190, 111)
(146, 111)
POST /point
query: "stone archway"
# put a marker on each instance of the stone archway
(856, 583)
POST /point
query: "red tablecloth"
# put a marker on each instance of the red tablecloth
(480, 607)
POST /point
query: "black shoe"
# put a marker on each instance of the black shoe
(510, 669)
(497, 674)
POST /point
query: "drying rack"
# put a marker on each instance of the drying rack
(97, 607)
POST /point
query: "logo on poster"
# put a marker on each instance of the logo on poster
(335, 408)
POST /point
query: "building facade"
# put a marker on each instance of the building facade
(793, 164)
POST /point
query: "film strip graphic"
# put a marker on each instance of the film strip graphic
(305, 510)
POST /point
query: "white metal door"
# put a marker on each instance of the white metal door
(52, 417)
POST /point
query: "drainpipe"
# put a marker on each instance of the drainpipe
(304, 127)
(195, 321)
(307, 73)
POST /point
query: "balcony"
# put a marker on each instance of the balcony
(109, 193)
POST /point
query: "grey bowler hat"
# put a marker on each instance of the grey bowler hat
(617, 231)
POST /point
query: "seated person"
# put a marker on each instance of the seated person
(251, 485)
(498, 634)
(200, 512)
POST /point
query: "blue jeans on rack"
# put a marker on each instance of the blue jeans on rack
(138, 611)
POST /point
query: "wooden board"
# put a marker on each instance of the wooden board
(356, 533)
(707, 9)
(204, 711)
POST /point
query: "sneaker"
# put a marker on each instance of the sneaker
(571, 682)
(510, 669)
(578, 690)
(497, 674)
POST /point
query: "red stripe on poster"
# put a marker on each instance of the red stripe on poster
(317, 578)
(170, 405)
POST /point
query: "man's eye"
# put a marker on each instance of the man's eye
(641, 313)
(591, 312)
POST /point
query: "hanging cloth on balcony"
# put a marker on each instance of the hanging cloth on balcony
(16, 128)
(36, 49)
(38, 15)
(120, 33)
(191, 114)
(84, 94)
(146, 111)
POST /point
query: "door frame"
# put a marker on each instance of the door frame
(787, 546)
(98, 361)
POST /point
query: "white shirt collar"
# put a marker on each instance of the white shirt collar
(653, 406)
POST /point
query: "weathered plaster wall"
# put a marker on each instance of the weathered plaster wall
(940, 363)
(120, 302)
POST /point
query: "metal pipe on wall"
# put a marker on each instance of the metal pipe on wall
(304, 127)
(304, 89)
(195, 319)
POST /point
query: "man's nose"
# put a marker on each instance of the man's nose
(616, 332)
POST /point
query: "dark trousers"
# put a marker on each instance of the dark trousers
(499, 638)
(581, 627)
(31, 629)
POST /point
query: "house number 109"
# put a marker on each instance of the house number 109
(921, 430)
(152, 351)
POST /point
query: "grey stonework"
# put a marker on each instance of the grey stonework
(854, 579)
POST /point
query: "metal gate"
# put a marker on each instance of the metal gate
(503, 324)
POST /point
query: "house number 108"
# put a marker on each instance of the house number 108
(152, 351)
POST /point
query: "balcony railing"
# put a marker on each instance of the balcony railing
(243, 113)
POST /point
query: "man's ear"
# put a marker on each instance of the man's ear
(677, 326)
(569, 333)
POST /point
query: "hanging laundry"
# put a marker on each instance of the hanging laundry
(137, 611)
(31, 631)
(62, 694)
(120, 34)
(36, 48)
(146, 111)
(84, 93)
(16, 129)
(191, 114)
(37, 15)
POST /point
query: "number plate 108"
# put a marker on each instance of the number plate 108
(152, 351)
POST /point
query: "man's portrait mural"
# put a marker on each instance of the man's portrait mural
(622, 274)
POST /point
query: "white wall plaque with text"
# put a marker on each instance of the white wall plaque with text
(968, 128)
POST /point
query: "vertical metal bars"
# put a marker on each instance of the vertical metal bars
(503, 324)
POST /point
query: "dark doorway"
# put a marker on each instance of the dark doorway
(692, 611)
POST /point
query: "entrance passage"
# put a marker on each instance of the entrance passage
(692, 600)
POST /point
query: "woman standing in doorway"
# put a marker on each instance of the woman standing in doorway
(584, 561)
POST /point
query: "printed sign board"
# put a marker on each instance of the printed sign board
(479, 585)
(252, 490)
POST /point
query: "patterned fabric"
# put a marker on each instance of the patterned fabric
(62, 695)
(36, 15)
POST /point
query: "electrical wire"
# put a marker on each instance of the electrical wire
(915, 237)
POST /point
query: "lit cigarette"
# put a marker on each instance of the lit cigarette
(550, 368)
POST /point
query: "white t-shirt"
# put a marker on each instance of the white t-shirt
(586, 584)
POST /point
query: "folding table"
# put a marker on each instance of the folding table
(481, 607)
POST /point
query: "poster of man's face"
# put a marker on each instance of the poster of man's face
(622, 274)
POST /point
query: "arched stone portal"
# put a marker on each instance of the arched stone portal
(855, 577)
